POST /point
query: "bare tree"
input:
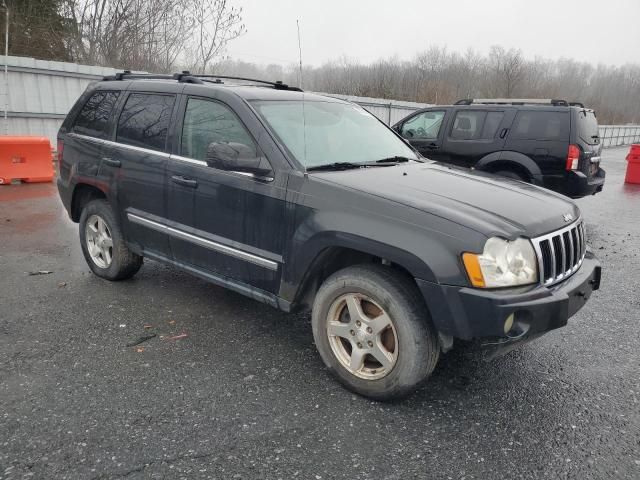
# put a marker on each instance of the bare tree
(216, 24)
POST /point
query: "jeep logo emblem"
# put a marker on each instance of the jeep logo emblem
(567, 217)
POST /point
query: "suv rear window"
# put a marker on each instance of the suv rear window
(588, 127)
(144, 120)
(541, 125)
(94, 116)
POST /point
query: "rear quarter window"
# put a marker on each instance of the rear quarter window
(93, 118)
(542, 125)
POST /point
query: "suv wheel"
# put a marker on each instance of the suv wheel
(103, 245)
(373, 331)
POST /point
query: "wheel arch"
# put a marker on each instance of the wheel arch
(323, 257)
(83, 193)
(509, 160)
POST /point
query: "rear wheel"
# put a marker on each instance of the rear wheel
(373, 331)
(103, 245)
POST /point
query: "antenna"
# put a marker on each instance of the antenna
(304, 113)
(299, 52)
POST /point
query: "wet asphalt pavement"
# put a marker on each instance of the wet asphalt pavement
(244, 394)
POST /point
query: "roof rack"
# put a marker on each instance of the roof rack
(218, 79)
(518, 101)
(187, 77)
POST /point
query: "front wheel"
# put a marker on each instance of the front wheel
(373, 331)
(103, 244)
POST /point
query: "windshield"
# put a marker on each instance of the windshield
(321, 133)
(588, 127)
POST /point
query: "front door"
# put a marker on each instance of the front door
(424, 132)
(226, 223)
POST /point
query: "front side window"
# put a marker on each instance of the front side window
(319, 133)
(94, 116)
(207, 122)
(425, 126)
(144, 121)
(541, 125)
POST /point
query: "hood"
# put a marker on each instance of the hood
(486, 203)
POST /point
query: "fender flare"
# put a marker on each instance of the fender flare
(508, 156)
(311, 255)
(82, 183)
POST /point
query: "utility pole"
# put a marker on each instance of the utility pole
(6, 68)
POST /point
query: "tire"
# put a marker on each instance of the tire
(103, 245)
(409, 344)
(511, 174)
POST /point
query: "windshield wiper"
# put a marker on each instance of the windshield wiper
(385, 162)
(335, 166)
(396, 159)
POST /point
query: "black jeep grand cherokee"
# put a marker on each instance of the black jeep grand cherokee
(299, 200)
(550, 143)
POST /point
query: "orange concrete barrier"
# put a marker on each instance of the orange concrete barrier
(633, 165)
(25, 158)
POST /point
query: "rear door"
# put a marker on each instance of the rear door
(425, 131)
(138, 157)
(475, 133)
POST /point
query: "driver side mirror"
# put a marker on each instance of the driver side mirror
(237, 157)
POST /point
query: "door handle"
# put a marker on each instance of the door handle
(185, 182)
(503, 133)
(432, 146)
(112, 162)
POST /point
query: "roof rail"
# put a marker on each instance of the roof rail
(218, 79)
(517, 101)
(186, 77)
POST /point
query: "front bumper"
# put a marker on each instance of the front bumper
(470, 313)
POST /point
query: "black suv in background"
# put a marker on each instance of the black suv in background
(550, 143)
(304, 201)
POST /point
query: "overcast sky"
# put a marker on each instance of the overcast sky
(596, 31)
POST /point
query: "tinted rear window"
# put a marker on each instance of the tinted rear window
(144, 120)
(475, 125)
(588, 127)
(94, 116)
(533, 125)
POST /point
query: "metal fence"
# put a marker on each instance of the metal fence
(40, 93)
(389, 111)
(616, 135)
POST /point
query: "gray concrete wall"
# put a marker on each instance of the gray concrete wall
(40, 93)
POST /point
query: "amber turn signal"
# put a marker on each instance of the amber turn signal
(472, 265)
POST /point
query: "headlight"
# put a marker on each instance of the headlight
(502, 264)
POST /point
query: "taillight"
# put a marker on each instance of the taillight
(573, 157)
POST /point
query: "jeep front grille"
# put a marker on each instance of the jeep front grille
(561, 253)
